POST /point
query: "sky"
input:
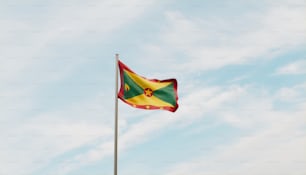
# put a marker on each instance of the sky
(240, 67)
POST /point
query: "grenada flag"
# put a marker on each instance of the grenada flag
(144, 93)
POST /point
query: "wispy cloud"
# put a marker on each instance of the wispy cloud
(29, 63)
(153, 125)
(274, 148)
(296, 67)
(39, 139)
(34, 57)
(218, 41)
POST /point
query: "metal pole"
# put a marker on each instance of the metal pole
(116, 117)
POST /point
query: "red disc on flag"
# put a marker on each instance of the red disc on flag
(148, 92)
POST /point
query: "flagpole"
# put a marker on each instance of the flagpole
(116, 117)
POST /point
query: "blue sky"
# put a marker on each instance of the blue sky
(240, 67)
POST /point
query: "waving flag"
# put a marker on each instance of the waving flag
(144, 93)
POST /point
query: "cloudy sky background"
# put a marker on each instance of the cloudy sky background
(240, 67)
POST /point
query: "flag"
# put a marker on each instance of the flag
(144, 93)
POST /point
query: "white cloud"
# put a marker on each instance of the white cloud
(66, 23)
(203, 42)
(214, 42)
(291, 94)
(296, 67)
(154, 124)
(235, 106)
(275, 145)
(259, 154)
(31, 141)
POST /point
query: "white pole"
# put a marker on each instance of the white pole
(116, 117)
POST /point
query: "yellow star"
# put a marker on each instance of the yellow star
(148, 92)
